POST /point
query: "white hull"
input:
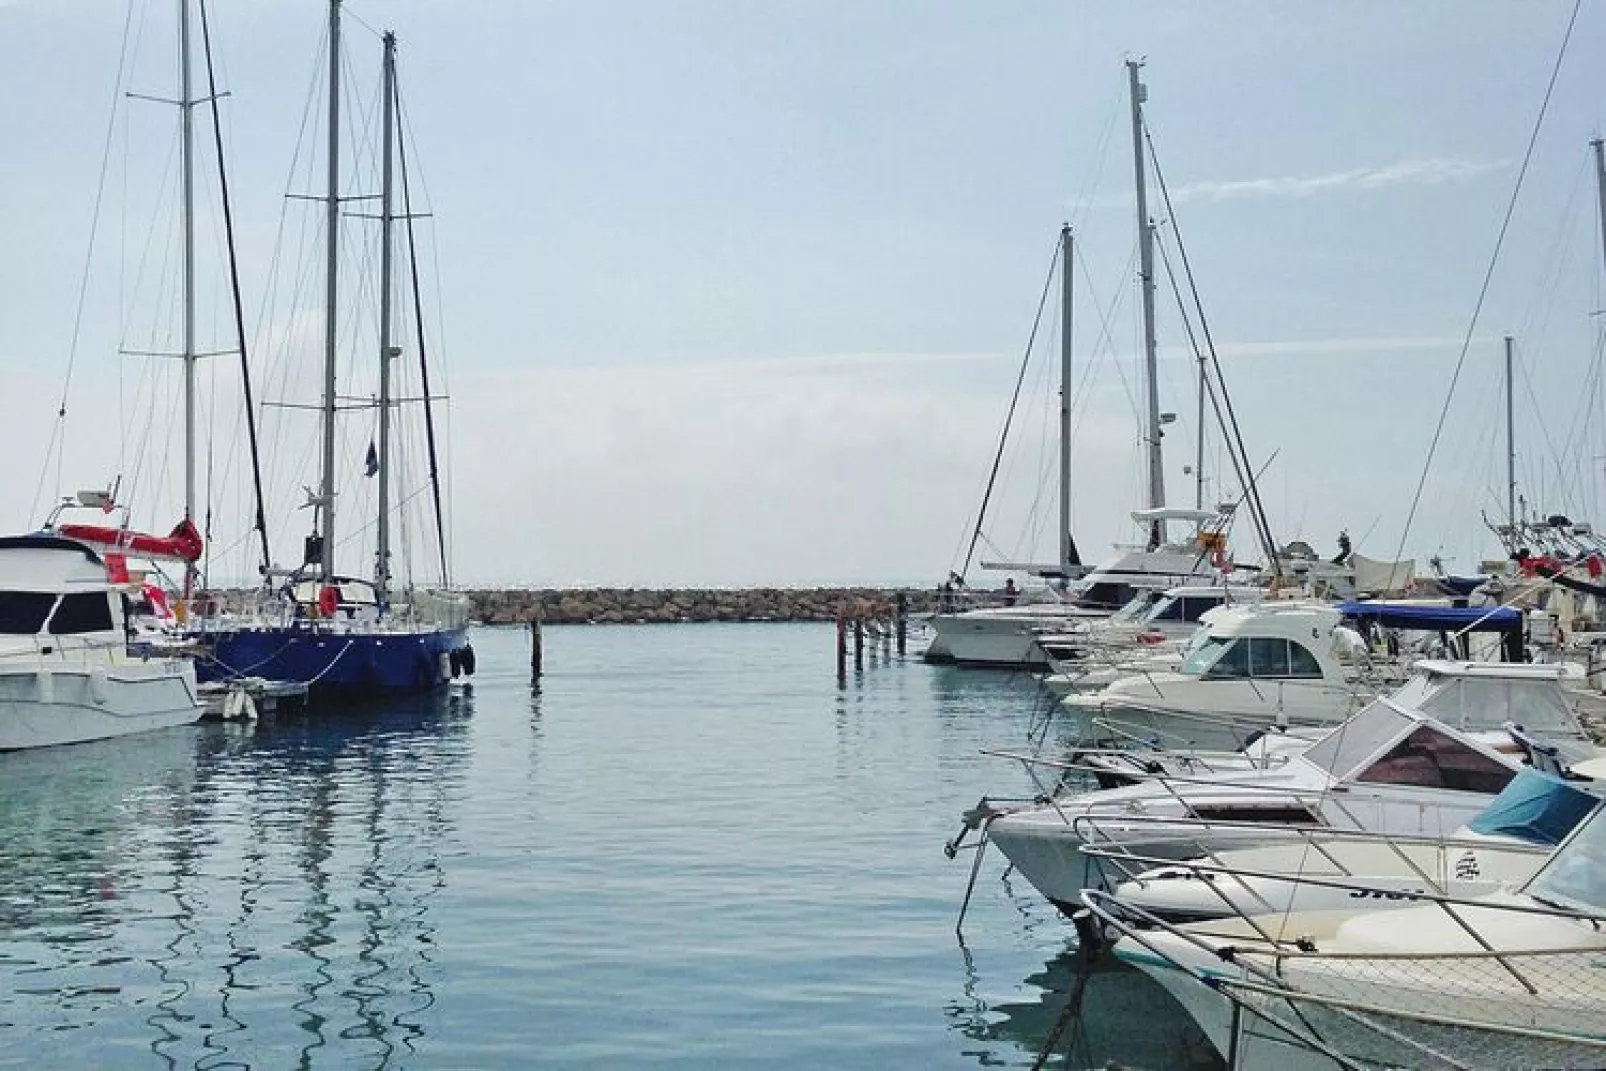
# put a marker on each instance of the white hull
(1003, 637)
(1348, 876)
(73, 703)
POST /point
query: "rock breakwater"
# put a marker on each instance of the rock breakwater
(600, 606)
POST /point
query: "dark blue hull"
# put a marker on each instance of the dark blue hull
(338, 660)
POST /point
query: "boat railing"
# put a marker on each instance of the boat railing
(1263, 989)
(1323, 845)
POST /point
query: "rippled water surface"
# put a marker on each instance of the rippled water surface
(687, 848)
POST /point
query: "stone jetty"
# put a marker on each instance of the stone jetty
(642, 606)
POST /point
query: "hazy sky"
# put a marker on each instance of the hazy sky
(736, 292)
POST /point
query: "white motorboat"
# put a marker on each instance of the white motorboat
(1249, 667)
(1005, 636)
(1330, 870)
(1507, 980)
(66, 675)
(1388, 769)
(1484, 699)
(1152, 621)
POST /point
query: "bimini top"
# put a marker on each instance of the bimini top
(1174, 513)
(1535, 807)
(1426, 618)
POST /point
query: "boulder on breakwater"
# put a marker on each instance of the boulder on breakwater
(642, 606)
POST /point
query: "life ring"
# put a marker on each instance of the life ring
(328, 600)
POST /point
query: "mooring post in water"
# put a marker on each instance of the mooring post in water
(535, 645)
(841, 644)
(901, 620)
(858, 640)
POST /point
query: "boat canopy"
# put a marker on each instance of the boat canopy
(1435, 618)
(1174, 513)
(1535, 807)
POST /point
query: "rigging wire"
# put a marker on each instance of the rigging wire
(261, 523)
(1488, 278)
(57, 443)
(1230, 427)
(423, 361)
(1009, 417)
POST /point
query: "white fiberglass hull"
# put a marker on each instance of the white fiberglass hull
(1341, 875)
(1001, 637)
(1217, 713)
(72, 703)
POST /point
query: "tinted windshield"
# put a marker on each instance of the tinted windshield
(1576, 875)
(23, 613)
(1203, 653)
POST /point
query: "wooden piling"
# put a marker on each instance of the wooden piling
(858, 642)
(535, 646)
(841, 644)
(900, 621)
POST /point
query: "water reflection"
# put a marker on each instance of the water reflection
(218, 896)
(1126, 1020)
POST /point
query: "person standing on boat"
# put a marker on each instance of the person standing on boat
(1011, 592)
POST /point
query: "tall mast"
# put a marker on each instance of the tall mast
(386, 216)
(1600, 184)
(1067, 277)
(187, 165)
(1511, 446)
(1146, 272)
(326, 490)
(1199, 431)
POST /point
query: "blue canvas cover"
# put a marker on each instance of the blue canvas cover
(1535, 807)
(1435, 618)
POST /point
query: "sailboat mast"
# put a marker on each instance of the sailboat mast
(187, 167)
(1151, 377)
(326, 490)
(386, 354)
(1511, 445)
(1067, 278)
(1599, 146)
(1199, 446)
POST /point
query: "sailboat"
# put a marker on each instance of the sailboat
(312, 626)
(337, 631)
(1005, 636)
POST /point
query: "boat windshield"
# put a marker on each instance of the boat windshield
(1203, 653)
(23, 613)
(1358, 739)
(1489, 702)
(1575, 877)
(1135, 610)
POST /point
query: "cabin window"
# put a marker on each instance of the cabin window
(1430, 759)
(1233, 663)
(1106, 594)
(1268, 657)
(1301, 663)
(1288, 814)
(1195, 608)
(88, 611)
(1168, 610)
(23, 613)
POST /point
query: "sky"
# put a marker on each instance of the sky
(734, 294)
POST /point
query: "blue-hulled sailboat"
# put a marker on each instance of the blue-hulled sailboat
(333, 631)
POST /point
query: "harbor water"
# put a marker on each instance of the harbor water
(687, 847)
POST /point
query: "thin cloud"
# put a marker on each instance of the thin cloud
(1431, 172)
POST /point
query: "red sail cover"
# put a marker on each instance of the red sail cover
(183, 543)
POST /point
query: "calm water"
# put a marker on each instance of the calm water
(688, 848)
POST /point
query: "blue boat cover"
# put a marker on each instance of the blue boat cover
(1459, 586)
(1433, 618)
(1535, 807)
